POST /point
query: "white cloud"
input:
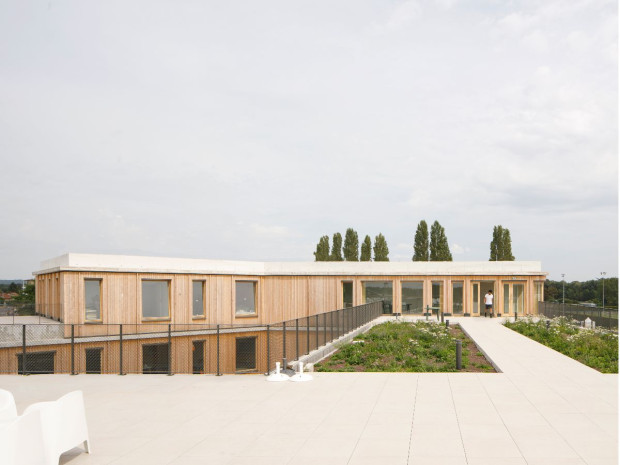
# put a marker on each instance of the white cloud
(517, 22)
(537, 41)
(270, 230)
(249, 132)
(459, 250)
(401, 16)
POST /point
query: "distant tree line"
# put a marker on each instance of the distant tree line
(24, 293)
(583, 291)
(427, 246)
(10, 287)
(350, 251)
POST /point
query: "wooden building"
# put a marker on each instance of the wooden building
(124, 314)
(108, 289)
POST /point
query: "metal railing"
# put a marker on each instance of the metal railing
(172, 348)
(604, 317)
(12, 310)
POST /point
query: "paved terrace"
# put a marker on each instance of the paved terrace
(543, 409)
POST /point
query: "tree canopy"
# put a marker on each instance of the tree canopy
(501, 245)
(322, 250)
(365, 255)
(351, 246)
(421, 245)
(583, 291)
(336, 255)
(439, 248)
(381, 249)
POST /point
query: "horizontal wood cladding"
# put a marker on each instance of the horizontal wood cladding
(278, 298)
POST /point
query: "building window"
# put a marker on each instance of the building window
(246, 354)
(198, 357)
(540, 286)
(437, 296)
(376, 291)
(413, 297)
(37, 363)
(457, 298)
(245, 298)
(198, 299)
(155, 359)
(506, 299)
(93, 360)
(155, 299)
(347, 294)
(92, 299)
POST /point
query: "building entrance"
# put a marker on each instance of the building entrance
(478, 291)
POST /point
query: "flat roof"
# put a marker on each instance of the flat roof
(138, 264)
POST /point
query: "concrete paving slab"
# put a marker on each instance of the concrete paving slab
(544, 408)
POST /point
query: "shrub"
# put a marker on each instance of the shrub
(596, 348)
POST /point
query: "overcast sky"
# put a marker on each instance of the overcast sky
(247, 130)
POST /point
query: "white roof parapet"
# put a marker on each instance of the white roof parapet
(137, 264)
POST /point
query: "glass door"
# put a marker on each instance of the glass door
(518, 298)
(475, 297)
(514, 298)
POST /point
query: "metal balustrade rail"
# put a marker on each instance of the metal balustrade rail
(604, 317)
(171, 348)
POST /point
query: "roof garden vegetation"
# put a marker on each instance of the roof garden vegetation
(596, 348)
(418, 347)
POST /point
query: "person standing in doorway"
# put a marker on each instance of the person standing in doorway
(488, 302)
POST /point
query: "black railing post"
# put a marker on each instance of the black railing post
(169, 350)
(316, 324)
(297, 339)
(459, 348)
(338, 325)
(24, 370)
(120, 350)
(218, 373)
(73, 349)
(325, 328)
(268, 353)
(284, 345)
(350, 319)
(308, 334)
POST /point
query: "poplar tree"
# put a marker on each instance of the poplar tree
(420, 245)
(501, 245)
(351, 246)
(336, 255)
(322, 250)
(366, 250)
(495, 243)
(440, 250)
(381, 249)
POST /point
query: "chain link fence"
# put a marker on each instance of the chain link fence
(604, 317)
(169, 349)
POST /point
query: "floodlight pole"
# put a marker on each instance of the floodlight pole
(603, 275)
(563, 310)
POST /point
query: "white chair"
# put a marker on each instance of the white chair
(22, 441)
(63, 423)
(73, 422)
(8, 410)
